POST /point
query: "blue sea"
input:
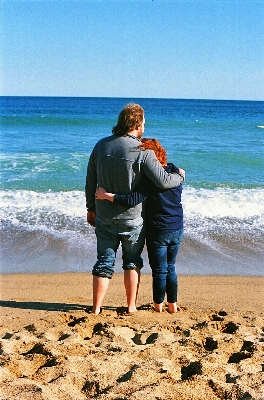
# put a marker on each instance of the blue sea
(45, 146)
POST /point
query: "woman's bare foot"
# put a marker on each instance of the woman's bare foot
(158, 307)
(172, 308)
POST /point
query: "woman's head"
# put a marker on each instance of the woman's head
(154, 144)
(130, 118)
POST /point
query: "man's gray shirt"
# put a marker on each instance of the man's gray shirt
(117, 164)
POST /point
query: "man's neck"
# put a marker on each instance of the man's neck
(135, 133)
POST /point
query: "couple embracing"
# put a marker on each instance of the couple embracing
(132, 194)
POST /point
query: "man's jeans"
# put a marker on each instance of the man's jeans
(131, 235)
(162, 251)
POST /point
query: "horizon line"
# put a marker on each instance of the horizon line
(129, 97)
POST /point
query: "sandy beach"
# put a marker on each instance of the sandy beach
(53, 348)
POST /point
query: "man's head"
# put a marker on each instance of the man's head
(160, 152)
(130, 119)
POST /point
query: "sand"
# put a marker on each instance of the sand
(52, 347)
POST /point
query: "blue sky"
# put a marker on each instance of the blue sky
(209, 49)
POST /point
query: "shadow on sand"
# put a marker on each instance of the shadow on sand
(44, 306)
(64, 307)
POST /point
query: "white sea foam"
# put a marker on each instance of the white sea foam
(51, 227)
(203, 203)
(223, 202)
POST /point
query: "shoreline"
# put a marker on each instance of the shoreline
(217, 253)
(52, 347)
(194, 291)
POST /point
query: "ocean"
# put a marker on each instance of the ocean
(45, 146)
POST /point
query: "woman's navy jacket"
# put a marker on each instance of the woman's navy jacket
(163, 208)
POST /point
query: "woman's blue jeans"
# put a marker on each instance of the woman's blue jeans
(162, 251)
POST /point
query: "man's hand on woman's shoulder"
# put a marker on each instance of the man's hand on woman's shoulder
(182, 173)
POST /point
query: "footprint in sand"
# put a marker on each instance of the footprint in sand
(246, 351)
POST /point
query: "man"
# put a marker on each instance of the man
(117, 164)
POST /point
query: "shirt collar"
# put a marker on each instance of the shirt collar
(133, 137)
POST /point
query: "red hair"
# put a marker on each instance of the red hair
(154, 144)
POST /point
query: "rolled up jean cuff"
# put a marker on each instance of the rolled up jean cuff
(102, 274)
(131, 266)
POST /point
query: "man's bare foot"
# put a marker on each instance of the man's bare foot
(131, 310)
(96, 311)
(158, 307)
(172, 308)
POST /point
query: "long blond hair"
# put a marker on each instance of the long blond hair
(130, 118)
